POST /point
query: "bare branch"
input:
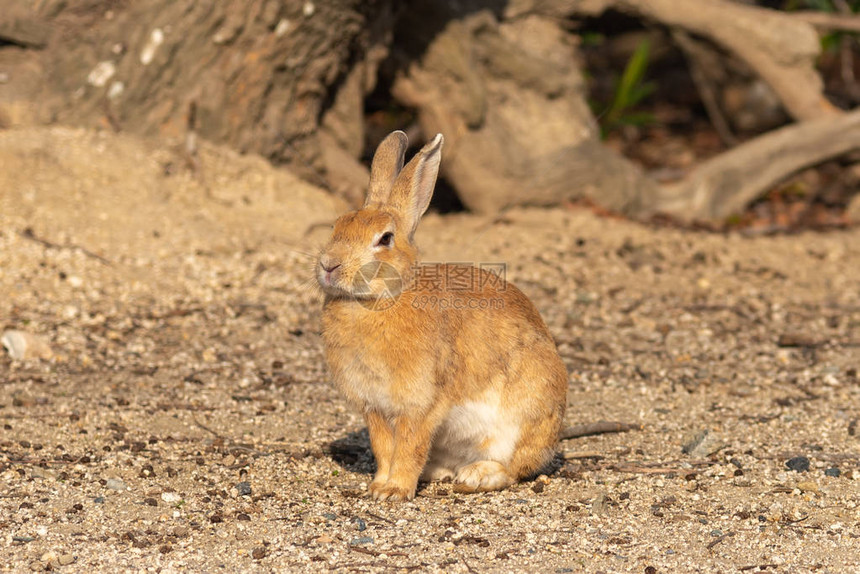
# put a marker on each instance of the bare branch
(830, 21)
(725, 184)
(600, 427)
(781, 48)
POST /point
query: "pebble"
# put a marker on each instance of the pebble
(244, 488)
(258, 553)
(600, 505)
(115, 484)
(39, 473)
(329, 516)
(22, 345)
(359, 523)
(65, 559)
(834, 472)
(798, 464)
(808, 486)
(102, 72)
(702, 444)
(361, 540)
(170, 497)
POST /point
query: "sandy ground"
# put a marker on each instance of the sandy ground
(185, 421)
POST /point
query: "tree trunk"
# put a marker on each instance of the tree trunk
(257, 75)
(510, 98)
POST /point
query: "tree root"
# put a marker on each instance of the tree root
(727, 183)
(780, 48)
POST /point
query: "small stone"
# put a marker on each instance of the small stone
(99, 499)
(797, 340)
(324, 539)
(359, 523)
(65, 559)
(702, 444)
(600, 505)
(115, 484)
(798, 464)
(156, 39)
(258, 553)
(216, 518)
(808, 486)
(150, 502)
(834, 472)
(180, 531)
(329, 516)
(23, 346)
(361, 540)
(244, 488)
(170, 497)
(100, 75)
(282, 28)
(116, 89)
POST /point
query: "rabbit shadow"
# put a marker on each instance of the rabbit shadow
(352, 452)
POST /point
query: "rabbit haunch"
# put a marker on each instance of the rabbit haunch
(476, 393)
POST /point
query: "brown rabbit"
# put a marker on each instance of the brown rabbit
(462, 383)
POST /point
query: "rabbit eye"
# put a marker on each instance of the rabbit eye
(385, 240)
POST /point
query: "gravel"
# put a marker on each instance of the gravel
(186, 361)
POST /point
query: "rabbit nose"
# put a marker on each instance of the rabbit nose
(329, 266)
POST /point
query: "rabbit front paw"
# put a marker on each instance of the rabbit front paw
(391, 491)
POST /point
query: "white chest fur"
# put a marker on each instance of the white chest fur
(477, 430)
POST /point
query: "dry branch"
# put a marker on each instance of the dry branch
(600, 427)
(725, 184)
(779, 47)
(830, 21)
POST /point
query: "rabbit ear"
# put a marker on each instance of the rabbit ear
(387, 163)
(414, 186)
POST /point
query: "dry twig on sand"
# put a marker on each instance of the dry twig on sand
(600, 427)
